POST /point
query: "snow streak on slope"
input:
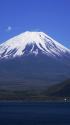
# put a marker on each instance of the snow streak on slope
(31, 43)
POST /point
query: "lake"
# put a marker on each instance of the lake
(34, 113)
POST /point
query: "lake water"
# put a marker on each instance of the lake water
(34, 113)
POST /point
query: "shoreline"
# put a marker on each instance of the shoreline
(34, 101)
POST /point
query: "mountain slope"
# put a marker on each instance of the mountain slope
(59, 90)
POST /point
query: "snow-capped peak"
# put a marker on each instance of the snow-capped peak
(31, 43)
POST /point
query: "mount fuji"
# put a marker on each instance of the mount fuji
(33, 59)
(32, 43)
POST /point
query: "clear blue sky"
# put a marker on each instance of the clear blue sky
(49, 16)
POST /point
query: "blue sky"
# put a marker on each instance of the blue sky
(49, 16)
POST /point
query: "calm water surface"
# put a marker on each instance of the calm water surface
(34, 113)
